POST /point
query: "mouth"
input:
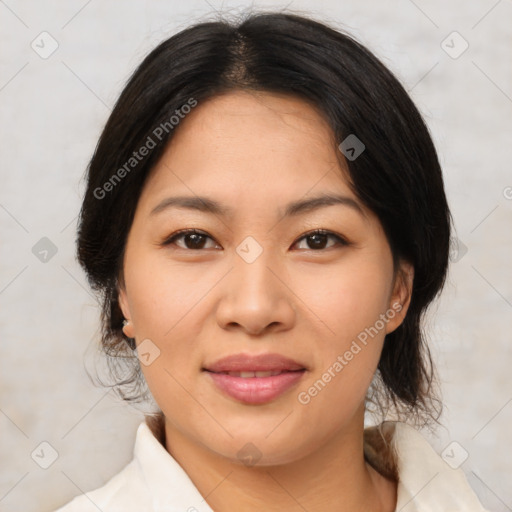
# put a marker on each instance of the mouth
(255, 380)
(249, 364)
(254, 374)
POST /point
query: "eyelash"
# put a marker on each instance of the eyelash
(184, 232)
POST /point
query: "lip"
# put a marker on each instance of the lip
(254, 363)
(255, 389)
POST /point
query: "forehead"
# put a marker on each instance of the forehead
(253, 146)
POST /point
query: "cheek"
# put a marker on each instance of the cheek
(171, 305)
(162, 294)
(346, 298)
(167, 303)
(348, 301)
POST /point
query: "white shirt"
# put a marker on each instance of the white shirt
(153, 481)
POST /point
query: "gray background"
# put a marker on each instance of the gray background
(53, 109)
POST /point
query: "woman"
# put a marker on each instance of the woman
(266, 221)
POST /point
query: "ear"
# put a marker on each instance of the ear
(125, 309)
(401, 296)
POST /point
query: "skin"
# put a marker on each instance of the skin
(255, 153)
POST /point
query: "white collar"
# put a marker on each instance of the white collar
(170, 488)
(425, 482)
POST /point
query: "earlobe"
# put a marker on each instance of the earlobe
(401, 296)
(125, 309)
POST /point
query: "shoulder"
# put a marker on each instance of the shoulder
(425, 480)
(125, 491)
(152, 480)
(122, 493)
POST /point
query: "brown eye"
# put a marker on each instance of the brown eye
(318, 240)
(191, 239)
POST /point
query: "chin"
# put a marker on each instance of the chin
(258, 449)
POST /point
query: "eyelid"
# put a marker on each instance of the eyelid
(187, 231)
(341, 240)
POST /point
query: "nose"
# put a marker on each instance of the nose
(255, 299)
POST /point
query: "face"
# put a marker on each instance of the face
(260, 300)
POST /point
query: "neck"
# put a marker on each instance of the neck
(335, 477)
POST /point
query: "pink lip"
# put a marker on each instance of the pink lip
(254, 363)
(255, 390)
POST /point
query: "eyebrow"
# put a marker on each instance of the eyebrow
(207, 205)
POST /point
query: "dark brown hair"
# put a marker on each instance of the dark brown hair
(397, 176)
